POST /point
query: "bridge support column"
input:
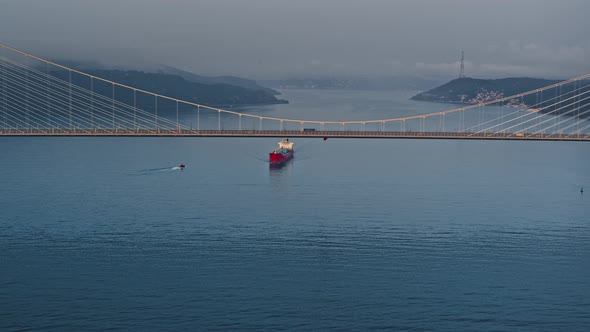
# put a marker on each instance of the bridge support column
(156, 117)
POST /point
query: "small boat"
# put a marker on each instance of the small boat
(182, 166)
(283, 153)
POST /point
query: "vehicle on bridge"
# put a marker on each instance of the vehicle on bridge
(307, 129)
(283, 153)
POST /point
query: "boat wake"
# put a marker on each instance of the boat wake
(258, 158)
(160, 170)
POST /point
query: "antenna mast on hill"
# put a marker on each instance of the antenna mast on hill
(462, 72)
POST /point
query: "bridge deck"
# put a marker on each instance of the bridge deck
(291, 133)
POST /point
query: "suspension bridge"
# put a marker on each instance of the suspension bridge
(42, 98)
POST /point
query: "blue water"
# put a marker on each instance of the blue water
(352, 235)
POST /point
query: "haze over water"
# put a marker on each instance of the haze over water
(446, 235)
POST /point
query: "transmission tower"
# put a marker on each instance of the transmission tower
(462, 72)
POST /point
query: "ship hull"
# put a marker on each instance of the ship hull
(279, 158)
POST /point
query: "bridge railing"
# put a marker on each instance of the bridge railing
(283, 133)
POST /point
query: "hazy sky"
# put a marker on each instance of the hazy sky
(284, 38)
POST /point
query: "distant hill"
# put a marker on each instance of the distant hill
(213, 91)
(178, 87)
(382, 83)
(474, 91)
(230, 80)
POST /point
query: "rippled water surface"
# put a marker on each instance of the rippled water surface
(104, 233)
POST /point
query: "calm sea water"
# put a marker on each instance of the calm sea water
(104, 234)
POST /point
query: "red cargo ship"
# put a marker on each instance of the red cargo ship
(282, 154)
